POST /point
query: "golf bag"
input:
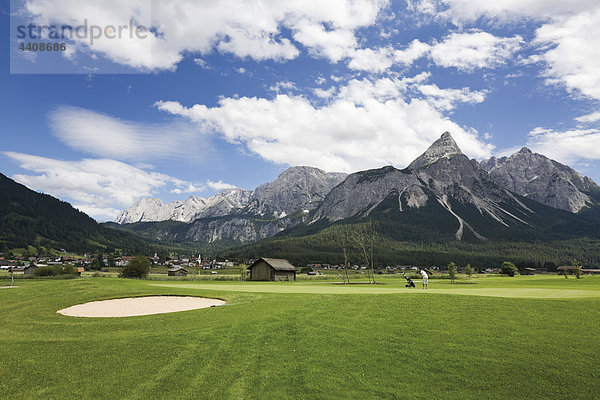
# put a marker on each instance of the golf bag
(409, 282)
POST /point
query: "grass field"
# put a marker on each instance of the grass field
(489, 338)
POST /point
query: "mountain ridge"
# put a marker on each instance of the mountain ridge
(442, 184)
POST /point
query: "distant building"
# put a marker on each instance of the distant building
(5, 264)
(272, 269)
(527, 271)
(28, 270)
(568, 269)
(590, 271)
(177, 271)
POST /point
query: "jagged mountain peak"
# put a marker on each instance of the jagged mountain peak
(542, 179)
(445, 146)
(296, 188)
(525, 150)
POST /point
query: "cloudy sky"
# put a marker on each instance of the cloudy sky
(229, 93)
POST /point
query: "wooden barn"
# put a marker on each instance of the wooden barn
(27, 270)
(177, 271)
(272, 269)
(527, 271)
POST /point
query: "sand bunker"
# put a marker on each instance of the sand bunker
(134, 306)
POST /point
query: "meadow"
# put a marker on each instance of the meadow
(494, 338)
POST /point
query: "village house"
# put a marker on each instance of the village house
(272, 269)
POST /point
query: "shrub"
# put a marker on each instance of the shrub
(95, 265)
(508, 268)
(138, 268)
(452, 271)
(468, 270)
(44, 271)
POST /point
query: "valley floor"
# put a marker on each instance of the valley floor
(493, 338)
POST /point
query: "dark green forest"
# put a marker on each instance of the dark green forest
(30, 218)
(322, 247)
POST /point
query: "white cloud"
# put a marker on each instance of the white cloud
(373, 60)
(189, 188)
(475, 49)
(283, 86)
(330, 44)
(567, 40)
(97, 186)
(325, 93)
(566, 146)
(415, 50)
(254, 30)
(466, 51)
(573, 55)
(448, 99)
(105, 136)
(220, 185)
(593, 117)
(98, 213)
(367, 124)
(202, 63)
(503, 10)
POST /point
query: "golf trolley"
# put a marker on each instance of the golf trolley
(409, 282)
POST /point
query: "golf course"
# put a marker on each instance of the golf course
(525, 337)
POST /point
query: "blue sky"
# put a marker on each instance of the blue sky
(230, 93)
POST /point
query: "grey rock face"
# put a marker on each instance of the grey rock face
(541, 179)
(152, 210)
(445, 146)
(297, 188)
(145, 210)
(243, 215)
(238, 229)
(224, 203)
(440, 174)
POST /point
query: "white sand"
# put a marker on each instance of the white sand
(134, 306)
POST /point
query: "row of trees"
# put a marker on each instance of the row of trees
(360, 239)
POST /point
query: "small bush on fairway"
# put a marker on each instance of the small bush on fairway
(43, 271)
(452, 271)
(138, 268)
(508, 268)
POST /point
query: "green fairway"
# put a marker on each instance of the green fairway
(547, 288)
(306, 340)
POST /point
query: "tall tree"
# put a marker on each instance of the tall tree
(344, 242)
(468, 270)
(364, 237)
(452, 271)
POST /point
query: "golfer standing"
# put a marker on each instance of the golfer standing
(425, 279)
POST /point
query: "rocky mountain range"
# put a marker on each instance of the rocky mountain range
(441, 194)
(544, 180)
(152, 209)
(297, 189)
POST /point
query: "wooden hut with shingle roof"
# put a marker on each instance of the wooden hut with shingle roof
(272, 269)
